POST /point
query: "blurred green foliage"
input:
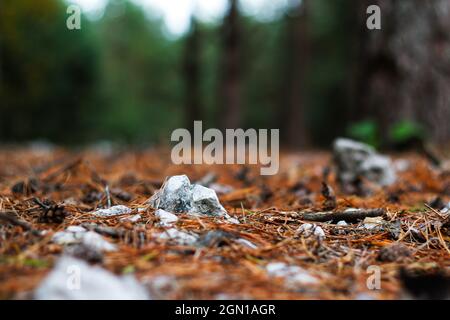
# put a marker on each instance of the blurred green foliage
(365, 131)
(120, 76)
(405, 131)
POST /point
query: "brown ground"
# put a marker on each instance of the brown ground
(266, 206)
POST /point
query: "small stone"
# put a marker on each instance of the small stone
(446, 209)
(75, 235)
(309, 229)
(174, 196)
(177, 195)
(354, 159)
(75, 229)
(205, 201)
(375, 223)
(96, 242)
(292, 274)
(182, 238)
(246, 243)
(92, 283)
(113, 211)
(342, 223)
(166, 218)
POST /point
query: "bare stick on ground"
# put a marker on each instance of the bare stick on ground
(349, 215)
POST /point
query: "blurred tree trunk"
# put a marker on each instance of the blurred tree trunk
(230, 100)
(292, 122)
(192, 75)
(405, 66)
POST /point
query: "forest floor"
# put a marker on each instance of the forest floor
(410, 237)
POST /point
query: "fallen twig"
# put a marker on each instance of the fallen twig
(349, 215)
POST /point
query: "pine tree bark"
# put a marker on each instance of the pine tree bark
(230, 100)
(192, 76)
(405, 69)
(293, 123)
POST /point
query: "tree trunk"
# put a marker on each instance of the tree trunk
(230, 76)
(192, 76)
(292, 123)
(405, 69)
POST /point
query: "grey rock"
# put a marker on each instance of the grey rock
(174, 196)
(74, 279)
(205, 201)
(354, 159)
(178, 195)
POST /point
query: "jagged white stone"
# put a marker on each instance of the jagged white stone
(178, 195)
(74, 279)
(205, 201)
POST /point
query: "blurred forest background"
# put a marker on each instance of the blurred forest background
(313, 70)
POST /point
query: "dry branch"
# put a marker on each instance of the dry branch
(349, 216)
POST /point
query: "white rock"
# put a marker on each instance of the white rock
(79, 235)
(342, 223)
(246, 243)
(74, 279)
(174, 196)
(232, 220)
(166, 218)
(318, 232)
(308, 229)
(113, 211)
(64, 238)
(205, 201)
(134, 218)
(178, 195)
(446, 210)
(182, 238)
(75, 229)
(292, 274)
(354, 159)
(373, 223)
(94, 241)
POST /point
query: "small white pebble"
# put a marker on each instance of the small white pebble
(113, 211)
(166, 218)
